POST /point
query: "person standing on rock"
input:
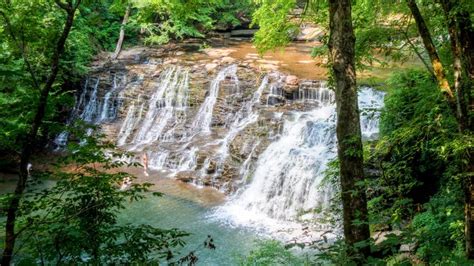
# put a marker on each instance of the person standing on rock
(145, 163)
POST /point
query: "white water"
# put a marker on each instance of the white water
(169, 96)
(286, 181)
(110, 102)
(245, 116)
(277, 187)
(203, 119)
(93, 109)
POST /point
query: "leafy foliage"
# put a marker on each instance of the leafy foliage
(163, 21)
(271, 253)
(75, 220)
(421, 162)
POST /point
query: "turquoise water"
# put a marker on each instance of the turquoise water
(173, 212)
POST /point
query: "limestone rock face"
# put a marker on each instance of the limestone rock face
(156, 96)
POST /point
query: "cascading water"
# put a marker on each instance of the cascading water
(245, 116)
(169, 96)
(286, 181)
(111, 102)
(294, 127)
(93, 109)
(203, 119)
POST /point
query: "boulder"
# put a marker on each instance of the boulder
(292, 80)
(310, 33)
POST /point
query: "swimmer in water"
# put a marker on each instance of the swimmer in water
(126, 183)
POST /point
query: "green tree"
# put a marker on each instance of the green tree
(30, 139)
(75, 221)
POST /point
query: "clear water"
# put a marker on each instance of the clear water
(172, 212)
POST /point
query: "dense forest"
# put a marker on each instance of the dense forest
(250, 132)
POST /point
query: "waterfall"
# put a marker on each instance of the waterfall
(91, 107)
(245, 116)
(287, 176)
(203, 119)
(246, 165)
(85, 108)
(170, 95)
(110, 102)
(131, 121)
(370, 104)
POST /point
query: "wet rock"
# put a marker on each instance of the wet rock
(380, 237)
(207, 181)
(290, 90)
(227, 60)
(210, 67)
(186, 177)
(211, 169)
(267, 67)
(292, 80)
(408, 247)
(243, 33)
(171, 61)
(218, 52)
(275, 100)
(156, 73)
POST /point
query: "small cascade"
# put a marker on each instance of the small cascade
(111, 102)
(275, 93)
(203, 119)
(245, 116)
(132, 119)
(170, 95)
(316, 91)
(86, 107)
(158, 160)
(288, 173)
(370, 104)
(246, 165)
(91, 108)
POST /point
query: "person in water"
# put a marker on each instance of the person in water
(126, 183)
(145, 163)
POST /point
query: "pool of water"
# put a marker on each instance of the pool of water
(174, 212)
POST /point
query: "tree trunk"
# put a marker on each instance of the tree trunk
(433, 54)
(461, 36)
(459, 82)
(342, 54)
(118, 47)
(466, 43)
(30, 141)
